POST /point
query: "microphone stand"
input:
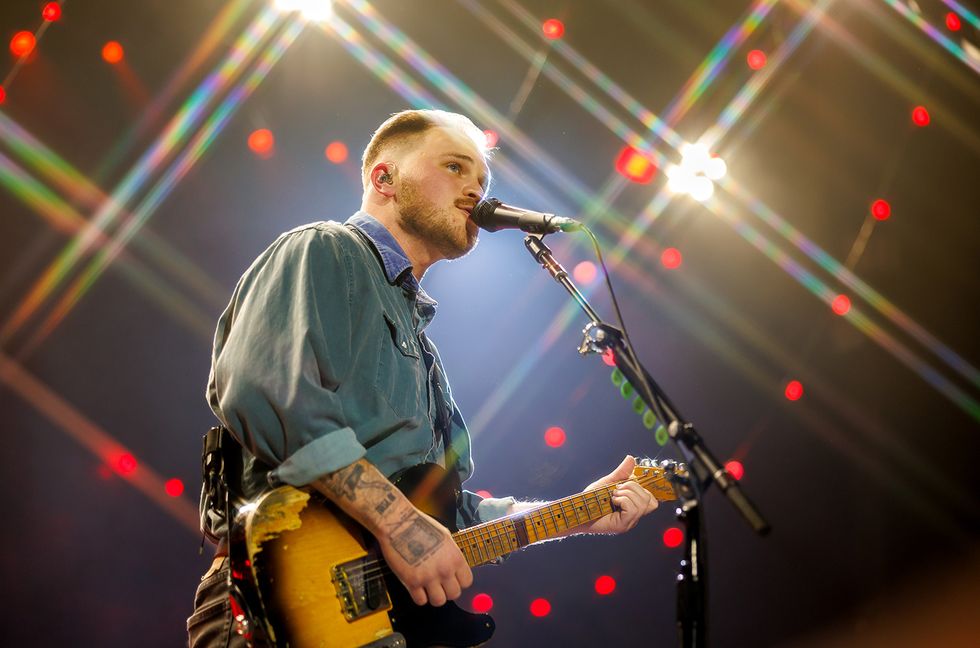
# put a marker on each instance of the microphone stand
(692, 578)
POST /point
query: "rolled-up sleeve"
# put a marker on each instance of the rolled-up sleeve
(282, 349)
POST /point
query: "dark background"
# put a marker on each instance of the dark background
(868, 480)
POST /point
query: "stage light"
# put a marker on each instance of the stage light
(553, 28)
(3, 95)
(554, 437)
(673, 537)
(262, 142)
(540, 607)
(841, 304)
(953, 22)
(756, 59)
(51, 11)
(735, 469)
(484, 493)
(701, 188)
(920, 116)
(174, 487)
(794, 390)
(635, 166)
(881, 210)
(584, 272)
(716, 168)
(492, 138)
(314, 10)
(22, 43)
(336, 152)
(605, 585)
(126, 464)
(482, 603)
(671, 258)
(112, 52)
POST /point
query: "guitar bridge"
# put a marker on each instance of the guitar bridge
(361, 587)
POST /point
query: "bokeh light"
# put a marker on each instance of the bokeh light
(953, 22)
(336, 152)
(174, 487)
(584, 272)
(3, 95)
(482, 603)
(126, 464)
(262, 142)
(671, 258)
(841, 304)
(920, 116)
(605, 585)
(553, 28)
(22, 43)
(756, 59)
(735, 469)
(492, 138)
(484, 493)
(51, 11)
(112, 52)
(554, 437)
(634, 166)
(540, 607)
(673, 537)
(609, 358)
(881, 210)
(794, 390)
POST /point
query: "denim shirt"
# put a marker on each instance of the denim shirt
(320, 359)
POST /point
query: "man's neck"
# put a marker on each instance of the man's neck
(420, 254)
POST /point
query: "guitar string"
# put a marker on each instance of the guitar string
(378, 568)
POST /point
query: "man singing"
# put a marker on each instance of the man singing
(323, 373)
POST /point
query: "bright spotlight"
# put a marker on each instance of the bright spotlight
(701, 188)
(314, 10)
(716, 168)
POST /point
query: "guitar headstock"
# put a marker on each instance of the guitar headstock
(658, 477)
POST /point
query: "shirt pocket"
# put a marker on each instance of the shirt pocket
(400, 377)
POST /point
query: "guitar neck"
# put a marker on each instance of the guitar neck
(489, 541)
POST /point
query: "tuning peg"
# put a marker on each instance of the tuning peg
(646, 462)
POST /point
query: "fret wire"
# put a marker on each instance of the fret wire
(571, 500)
(551, 511)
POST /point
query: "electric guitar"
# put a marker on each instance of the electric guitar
(306, 574)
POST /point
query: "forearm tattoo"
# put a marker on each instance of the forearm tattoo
(362, 484)
(414, 537)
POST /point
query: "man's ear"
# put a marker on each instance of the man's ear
(383, 178)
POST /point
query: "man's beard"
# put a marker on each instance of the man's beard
(441, 227)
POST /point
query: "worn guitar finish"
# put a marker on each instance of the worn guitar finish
(318, 579)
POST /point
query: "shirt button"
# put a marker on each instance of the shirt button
(404, 346)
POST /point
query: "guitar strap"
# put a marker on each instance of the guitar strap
(443, 418)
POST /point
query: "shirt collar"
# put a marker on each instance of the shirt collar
(397, 267)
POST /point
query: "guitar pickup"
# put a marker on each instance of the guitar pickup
(361, 587)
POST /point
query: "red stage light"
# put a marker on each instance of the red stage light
(492, 138)
(482, 603)
(635, 166)
(605, 585)
(881, 210)
(484, 493)
(174, 487)
(22, 43)
(920, 116)
(841, 304)
(671, 258)
(540, 607)
(609, 358)
(794, 390)
(756, 59)
(673, 537)
(953, 22)
(51, 11)
(554, 437)
(126, 464)
(262, 142)
(3, 95)
(735, 469)
(336, 152)
(584, 272)
(553, 28)
(112, 52)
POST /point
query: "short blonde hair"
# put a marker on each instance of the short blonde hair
(406, 125)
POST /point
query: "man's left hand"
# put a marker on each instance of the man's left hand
(630, 500)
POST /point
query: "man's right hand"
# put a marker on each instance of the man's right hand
(422, 554)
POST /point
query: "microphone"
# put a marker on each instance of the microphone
(493, 215)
